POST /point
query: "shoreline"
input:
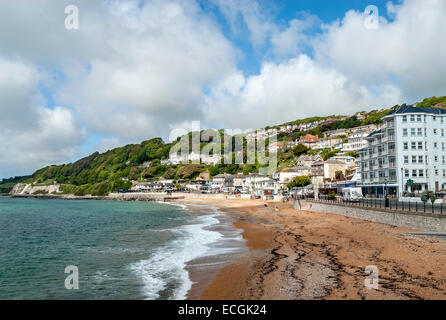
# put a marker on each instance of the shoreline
(308, 255)
(221, 253)
(163, 197)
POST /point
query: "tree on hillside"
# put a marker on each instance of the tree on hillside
(431, 102)
(328, 153)
(300, 149)
(170, 173)
(189, 171)
(299, 182)
(352, 153)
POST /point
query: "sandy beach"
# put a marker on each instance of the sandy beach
(307, 255)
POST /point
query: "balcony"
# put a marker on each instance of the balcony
(389, 125)
(389, 138)
(387, 180)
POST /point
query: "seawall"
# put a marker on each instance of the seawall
(422, 221)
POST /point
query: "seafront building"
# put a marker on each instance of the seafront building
(406, 154)
(356, 138)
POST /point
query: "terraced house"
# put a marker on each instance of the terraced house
(406, 154)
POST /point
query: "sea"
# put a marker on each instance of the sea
(106, 250)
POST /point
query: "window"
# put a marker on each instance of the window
(404, 118)
(406, 159)
(405, 132)
(420, 159)
(436, 158)
(419, 118)
(419, 132)
(406, 173)
(421, 173)
(435, 131)
(435, 145)
(414, 145)
(434, 118)
(406, 146)
(436, 172)
(420, 145)
(412, 131)
(414, 159)
(414, 173)
(412, 118)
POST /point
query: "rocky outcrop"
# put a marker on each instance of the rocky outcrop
(25, 189)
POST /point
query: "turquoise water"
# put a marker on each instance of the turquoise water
(123, 250)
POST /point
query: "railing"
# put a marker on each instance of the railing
(387, 204)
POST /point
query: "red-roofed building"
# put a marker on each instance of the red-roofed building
(308, 140)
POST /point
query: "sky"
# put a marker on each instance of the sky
(134, 70)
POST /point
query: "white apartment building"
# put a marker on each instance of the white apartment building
(326, 143)
(287, 175)
(407, 153)
(356, 141)
(250, 181)
(177, 158)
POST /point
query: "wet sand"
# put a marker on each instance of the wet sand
(309, 255)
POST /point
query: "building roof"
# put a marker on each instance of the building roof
(374, 133)
(308, 138)
(333, 161)
(412, 109)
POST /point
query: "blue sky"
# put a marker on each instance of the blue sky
(281, 12)
(140, 69)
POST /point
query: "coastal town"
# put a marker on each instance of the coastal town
(405, 155)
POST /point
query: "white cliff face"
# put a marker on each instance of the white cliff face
(24, 189)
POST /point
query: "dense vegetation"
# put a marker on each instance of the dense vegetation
(6, 185)
(433, 102)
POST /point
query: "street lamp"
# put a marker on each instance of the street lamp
(402, 182)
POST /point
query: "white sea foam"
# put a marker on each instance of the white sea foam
(167, 264)
(182, 206)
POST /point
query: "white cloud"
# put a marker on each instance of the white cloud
(290, 90)
(408, 51)
(31, 136)
(160, 58)
(353, 68)
(108, 144)
(293, 39)
(249, 14)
